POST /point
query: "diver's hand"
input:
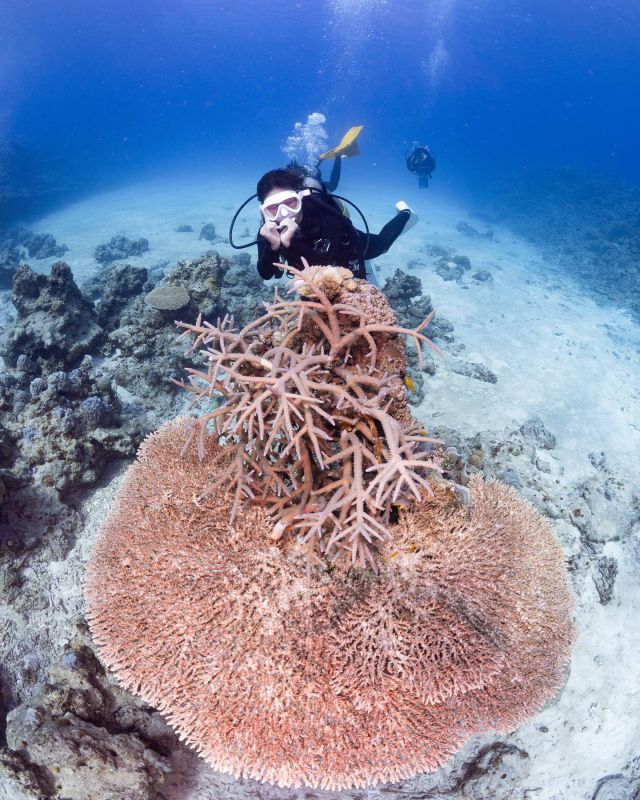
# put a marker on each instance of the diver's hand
(271, 234)
(287, 228)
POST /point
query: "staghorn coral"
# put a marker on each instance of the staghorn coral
(314, 414)
(347, 677)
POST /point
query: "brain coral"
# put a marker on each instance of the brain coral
(342, 679)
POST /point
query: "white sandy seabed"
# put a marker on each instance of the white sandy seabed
(556, 354)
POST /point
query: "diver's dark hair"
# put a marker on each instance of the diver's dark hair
(290, 178)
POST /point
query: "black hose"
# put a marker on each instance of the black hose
(233, 222)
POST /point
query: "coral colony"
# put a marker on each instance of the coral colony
(316, 414)
(296, 587)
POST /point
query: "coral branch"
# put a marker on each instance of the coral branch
(314, 413)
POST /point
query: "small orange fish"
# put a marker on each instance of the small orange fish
(409, 383)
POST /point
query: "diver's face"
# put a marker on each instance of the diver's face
(281, 203)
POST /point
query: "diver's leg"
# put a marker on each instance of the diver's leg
(334, 179)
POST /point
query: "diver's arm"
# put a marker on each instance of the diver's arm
(334, 179)
(266, 257)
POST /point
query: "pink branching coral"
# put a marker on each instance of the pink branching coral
(315, 414)
(342, 679)
(265, 637)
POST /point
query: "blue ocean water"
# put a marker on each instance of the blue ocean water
(107, 92)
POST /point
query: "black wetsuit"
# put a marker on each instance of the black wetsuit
(326, 236)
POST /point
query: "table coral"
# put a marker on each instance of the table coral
(234, 587)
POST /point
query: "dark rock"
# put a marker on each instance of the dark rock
(482, 276)
(20, 780)
(604, 577)
(534, 428)
(402, 287)
(55, 326)
(616, 787)
(462, 261)
(448, 270)
(496, 771)
(468, 230)
(184, 229)
(120, 248)
(598, 460)
(87, 736)
(79, 754)
(208, 232)
(44, 245)
(242, 260)
(473, 370)
(25, 365)
(437, 251)
(511, 478)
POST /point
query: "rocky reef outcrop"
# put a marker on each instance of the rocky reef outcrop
(120, 248)
(55, 325)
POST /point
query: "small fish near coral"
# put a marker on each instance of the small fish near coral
(289, 579)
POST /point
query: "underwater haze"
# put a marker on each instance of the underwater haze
(113, 90)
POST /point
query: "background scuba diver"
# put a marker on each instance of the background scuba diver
(303, 222)
(421, 162)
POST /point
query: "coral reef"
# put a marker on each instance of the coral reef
(302, 595)
(16, 243)
(81, 736)
(219, 286)
(44, 245)
(56, 324)
(404, 293)
(62, 428)
(119, 248)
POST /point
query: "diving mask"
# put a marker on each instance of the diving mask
(284, 204)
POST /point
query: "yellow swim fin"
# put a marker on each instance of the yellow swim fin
(347, 146)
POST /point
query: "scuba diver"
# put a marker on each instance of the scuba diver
(302, 221)
(421, 162)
